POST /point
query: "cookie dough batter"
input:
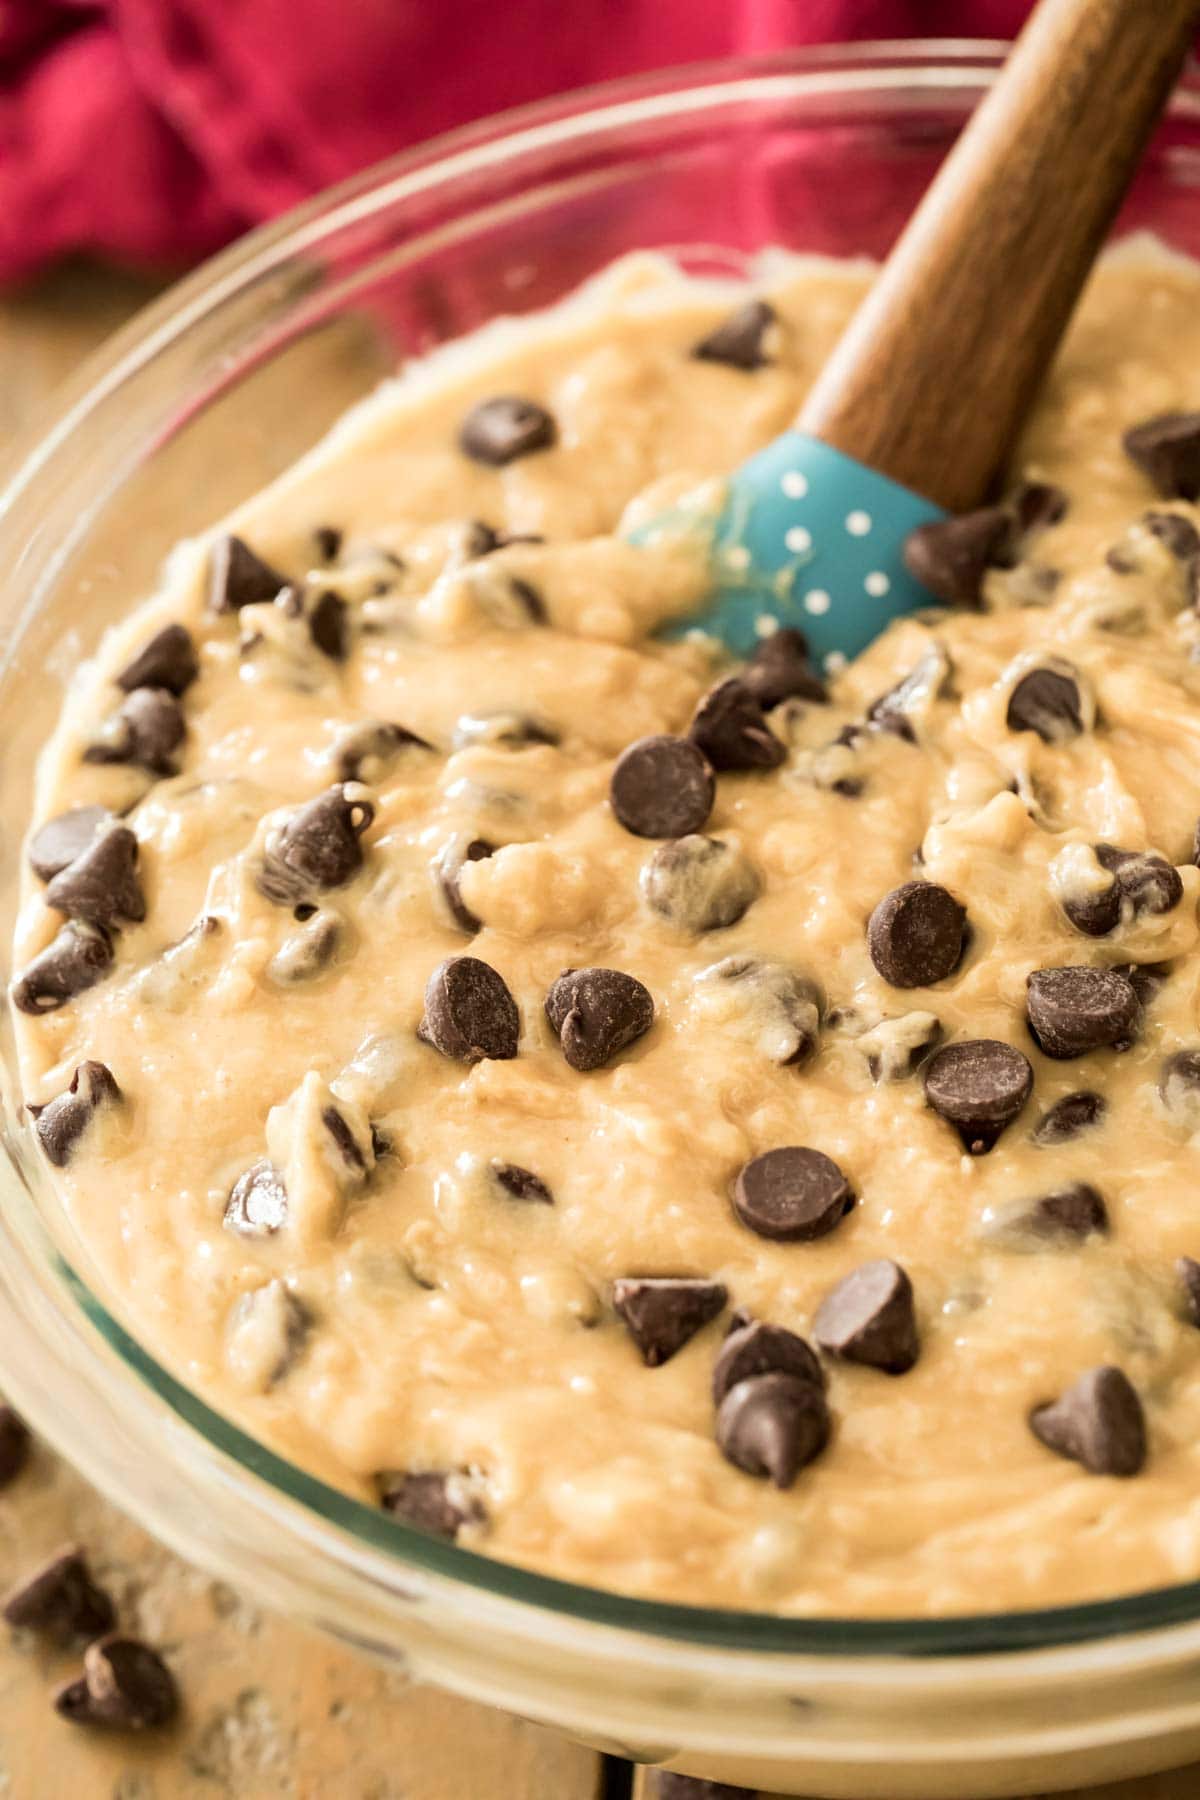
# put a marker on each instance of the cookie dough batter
(729, 1135)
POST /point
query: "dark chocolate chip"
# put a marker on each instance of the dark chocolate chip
(1179, 1088)
(496, 432)
(664, 1312)
(783, 1005)
(1036, 505)
(59, 841)
(978, 1086)
(1098, 1422)
(167, 661)
(16, 1442)
(662, 787)
(740, 341)
(425, 1500)
(699, 883)
(1075, 1009)
(483, 539)
(125, 1686)
(916, 934)
(754, 1347)
(779, 670)
(1049, 702)
(772, 1425)
(1167, 449)
(317, 848)
(75, 960)
(1147, 978)
(1143, 883)
(509, 730)
(61, 1600)
(147, 729)
(1073, 1212)
(258, 1204)
(370, 747)
(729, 727)
(597, 1012)
(520, 1184)
(1187, 1269)
(529, 600)
(347, 1145)
(328, 540)
(869, 1317)
(1177, 533)
(792, 1194)
(950, 556)
(469, 1013)
(61, 1123)
(308, 952)
(1068, 1117)
(896, 1048)
(237, 577)
(455, 855)
(329, 626)
(926, 680)
(101, 886)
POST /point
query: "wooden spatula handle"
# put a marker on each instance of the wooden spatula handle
(935, 374)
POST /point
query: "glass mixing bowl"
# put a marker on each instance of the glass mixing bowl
(207, 395)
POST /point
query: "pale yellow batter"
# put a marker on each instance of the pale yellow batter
(425, 1286)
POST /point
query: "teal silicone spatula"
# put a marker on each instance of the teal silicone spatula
(915, 412)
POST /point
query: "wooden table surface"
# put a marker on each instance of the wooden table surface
(269, 1710)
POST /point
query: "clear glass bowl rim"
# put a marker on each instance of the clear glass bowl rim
(877, 66)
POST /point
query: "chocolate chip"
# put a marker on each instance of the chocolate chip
(508, 730)
(597, 1012)
(730, 729)
(1073, 1212)
(699, 883)
(367, 749)
(61, 1600)
(483, 539)
(924, 683)
(779, 670)
(59, 841)
(16, 1442)
(268, 1329)
(662, 787)
(328, 540)
(496, 432)
(237, 577)
(125, 1686)
(869, 1317)
(1177, 533)
(329, 626)
(147, 729)
(1068, 1117)
(1036, 505)
(1187, 1269)
(740, 341)
(896, 1048)
(978, 1086)
(317, 848)
(1048, 701)
(669, 1786)
(773, 1007)
(664, 1312)
(916, 934)
(469, 1013)
(1073, 1010)
(308, 952)
(950, 556)
(101, 886)
(456, 853)
(520, 1184)
(772, 1425)
(1179, 1088)
(1167, 449)
(75, 960)
(1143, 883)
(61, 1123)
(754, 1347)
(792, 1194)
(258, 1204)
(429, 1501)
(167, 661)
(1098, 1422)
(345, 1142)
(1147, 978)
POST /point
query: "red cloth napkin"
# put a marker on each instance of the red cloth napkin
(152, 130)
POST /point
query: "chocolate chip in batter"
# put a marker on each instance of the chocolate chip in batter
(979, 1086)
(506, 730)
(317, 848)
(664, 1312)
(753, 1347)
(101, 886)
(237, 577)
(269, 1327)
(483, 539)
(1073, 1212)
(1073, 1010)
(1098, 1422)
(258, 1204)
(925, 681)
(792, 1194)
(776, 1007)
(167, 661)
(597, 1012)
(699, 883)
(60, 1600)
(328, 540)
(62, 1122)
(147, 729)
(1187, 1271)
(307, 953)
(1179, 1088)
(350, 1152)
(469, 1013)
(773, 1425)
(75, 960)
(896, 1048)
(740, 341)
(496, 432)
(329, 626)
(916, 934)
(125, 1686)
(1177, 533)
(1147, 978)
(60, 840)
(1050, 701)
(662, 787)
(1167, 449)
(1143, 883)
(951, 556)
(16, 1441)
(1036, 505)
(779, 669)
(870, 1317)
(430, 1500)
(729, 727)
(520, 1184)
(455, 854)
(1068, 1117)
(366, 750)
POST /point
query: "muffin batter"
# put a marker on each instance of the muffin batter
(724, 1135)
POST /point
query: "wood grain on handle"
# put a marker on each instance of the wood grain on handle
(933, 378)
